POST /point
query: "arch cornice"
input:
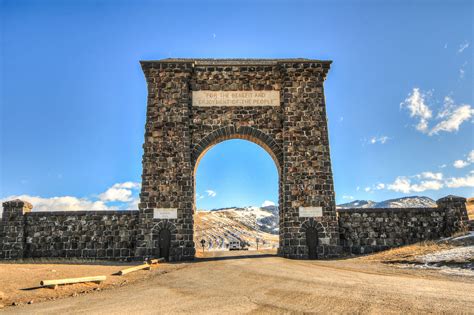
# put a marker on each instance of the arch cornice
(243, 132)
(311, 223)
(165, 224)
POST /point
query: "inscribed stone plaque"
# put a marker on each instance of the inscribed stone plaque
(310, 212)
(165, 213)
(236, 98)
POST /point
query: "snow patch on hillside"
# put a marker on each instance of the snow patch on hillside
(405, 202)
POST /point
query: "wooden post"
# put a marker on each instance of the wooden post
(55, 283)
(156, 261)
(132, 269)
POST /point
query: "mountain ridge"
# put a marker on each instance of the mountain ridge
(403, 202)
(247, 224)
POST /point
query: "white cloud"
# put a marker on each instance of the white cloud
(457, 182)
(116, 194)
(470, 156)
(211, 193)
(463, 46)
(123, 195)
(380, 140)
(469, 160)
(430, 175)
(119, 192)
(128, 185)
(199, 197)
(347, 197)
(133, 204)
(379, 186)
(460, 164)
(404, 185)
(427, 185)
(461, 73)
(450, 118)
(401, 184)
(358, 188)
(426, 181)
(63, 203)
(454, 117)
(268, 203)
(416, 104)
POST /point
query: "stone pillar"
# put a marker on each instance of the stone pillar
(456, 219)
(306, 173)
(12, 236)
(167, 179)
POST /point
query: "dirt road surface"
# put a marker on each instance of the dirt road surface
(269, 284)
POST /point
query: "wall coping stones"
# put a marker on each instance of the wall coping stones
(451, 198)
(17, 203)
(83, 212)
(421, 209)
(235, 61)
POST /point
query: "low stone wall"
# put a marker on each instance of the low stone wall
(86, 234)
(81, 234)
(113, 234)
(369, 230)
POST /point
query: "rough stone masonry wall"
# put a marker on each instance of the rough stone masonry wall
(112, 234)
(294, 133)
(307, 173)
(370, 230)
(82, 234)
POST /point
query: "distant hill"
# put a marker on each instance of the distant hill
(357, 204)
(405, 202)
(220, 226)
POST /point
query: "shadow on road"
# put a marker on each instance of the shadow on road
(230, 257)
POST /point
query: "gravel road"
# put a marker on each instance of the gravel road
(269, 284)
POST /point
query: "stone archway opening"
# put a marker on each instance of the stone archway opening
(279, 104)
(244, 173)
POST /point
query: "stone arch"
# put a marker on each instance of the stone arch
(312, 223)
(243, 132)
(164, 225)
(155, 234)
(278, 104)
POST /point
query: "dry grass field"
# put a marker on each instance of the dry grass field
(19, 282)
(247, 282)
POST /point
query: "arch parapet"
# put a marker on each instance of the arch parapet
(243, 132)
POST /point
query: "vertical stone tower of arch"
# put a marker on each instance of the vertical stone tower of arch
(279, 104)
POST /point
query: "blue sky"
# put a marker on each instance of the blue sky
(73, 96)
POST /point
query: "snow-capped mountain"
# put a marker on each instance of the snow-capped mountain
(405, 202)
(220, 226)
(357, 204)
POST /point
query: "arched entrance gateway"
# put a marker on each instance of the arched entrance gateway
(279, 104)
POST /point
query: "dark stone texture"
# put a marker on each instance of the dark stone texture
(369, 230)
(294, 134)
(83, 234)
(114, 234)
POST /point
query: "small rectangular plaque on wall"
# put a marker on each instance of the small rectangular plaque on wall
(236, 98)
(165, 213)
(310, 212)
